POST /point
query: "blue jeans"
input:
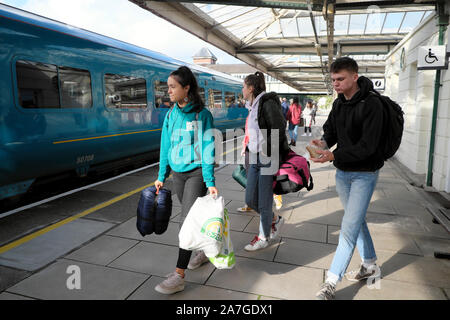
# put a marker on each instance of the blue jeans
(259, 196)
(355, 190)
(293, 131)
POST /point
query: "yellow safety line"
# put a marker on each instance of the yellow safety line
(101, 137)
(36, 234)
(70, 219)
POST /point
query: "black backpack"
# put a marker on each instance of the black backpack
(393, 122)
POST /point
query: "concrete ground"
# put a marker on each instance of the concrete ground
(115, 262)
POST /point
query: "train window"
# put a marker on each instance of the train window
(162, 99)
(75, 86)
(215, 98)
(37, 84)
(230, 100)
(125, 92)
(241, 102)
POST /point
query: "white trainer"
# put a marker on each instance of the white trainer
(256, 244)
(174, 283)
(198, 260)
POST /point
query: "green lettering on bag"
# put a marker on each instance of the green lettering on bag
(213, 228)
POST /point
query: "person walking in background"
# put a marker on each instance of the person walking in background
(356, 128)
(314, 112)
(265, 113)
(285, 106)
(308, 115)
(193, 173)
(293, 116)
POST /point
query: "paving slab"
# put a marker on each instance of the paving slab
(429, 245)
(305, 231)
(305, 253)
(269, 279)
(96, 283)
(159, 260)
(102, 250)
(48, 247)
(124, 184)
(387, 290)
(9, 296)
(239, 222)
(129, 230)
(316, 213)
(391, 241)
(414, 269)
(117, 212)
(9, 277)
(241, 239)
(191, 291)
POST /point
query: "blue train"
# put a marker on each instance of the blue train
(73, 100)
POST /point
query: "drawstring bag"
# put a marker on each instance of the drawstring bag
(225, 259)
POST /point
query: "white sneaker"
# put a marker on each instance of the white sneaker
(174, 283)
(276, 227)
(256, 244)
(304, 135)
(198, 260)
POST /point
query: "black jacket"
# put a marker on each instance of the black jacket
(356, 126)
(270, 117)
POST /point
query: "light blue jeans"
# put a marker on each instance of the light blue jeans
(293, 128)
(355, 190)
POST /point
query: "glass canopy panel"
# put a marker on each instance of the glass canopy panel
(305, 27)
(427, 13)
(357, 23)
(392, 23)
(274, 30)
(321, 25)
(374, 23)
(411, 20)
(341, 24)
(289, 27)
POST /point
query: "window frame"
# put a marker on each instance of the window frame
(58, 64)
(131, 74)
(154, 79)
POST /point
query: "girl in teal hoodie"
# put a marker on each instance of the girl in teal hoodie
(187, 148)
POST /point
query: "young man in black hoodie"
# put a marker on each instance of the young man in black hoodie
(355, 125)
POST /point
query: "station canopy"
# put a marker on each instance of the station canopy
(293, 40)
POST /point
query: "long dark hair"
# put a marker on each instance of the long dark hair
(256, 80)
(184, 76)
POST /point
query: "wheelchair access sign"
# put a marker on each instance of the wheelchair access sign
(432, 58)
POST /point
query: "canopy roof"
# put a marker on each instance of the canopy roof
(291, 40)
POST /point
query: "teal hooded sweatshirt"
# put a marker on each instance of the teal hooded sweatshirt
(187, 144)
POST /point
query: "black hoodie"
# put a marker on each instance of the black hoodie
(270, 117)
(356, 126)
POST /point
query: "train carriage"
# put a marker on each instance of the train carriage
(72, 100)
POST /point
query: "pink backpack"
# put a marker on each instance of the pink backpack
(293, 175)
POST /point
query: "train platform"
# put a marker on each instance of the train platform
(93, 235)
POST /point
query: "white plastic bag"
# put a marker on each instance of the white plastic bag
(225, 259)
(204, 226)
